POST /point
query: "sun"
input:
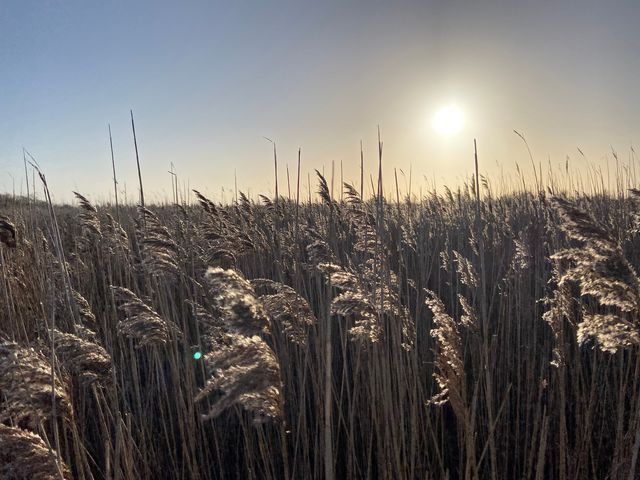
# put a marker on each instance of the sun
(448, 120)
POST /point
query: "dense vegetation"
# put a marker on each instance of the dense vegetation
(454, 336)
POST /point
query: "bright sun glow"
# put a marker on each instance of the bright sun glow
(448, 121)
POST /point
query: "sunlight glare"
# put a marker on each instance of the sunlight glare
(448, 121)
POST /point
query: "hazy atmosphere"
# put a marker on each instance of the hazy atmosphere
(378, 300)
(208, 80)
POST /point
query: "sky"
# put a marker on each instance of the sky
(208, 80)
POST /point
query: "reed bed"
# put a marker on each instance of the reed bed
(457, 335)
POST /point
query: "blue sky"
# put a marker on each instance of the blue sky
(207, 80)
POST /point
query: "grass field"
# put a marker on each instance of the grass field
(458, 335)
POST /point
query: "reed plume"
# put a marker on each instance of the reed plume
(142, 323)
(26, 389)
(88, 218)
(466, 271)
(25, 456)
(286, 308)
(449, 374)
(117, 240)
(245, 371)
(601, 270)
(7, 232)
(84, 309)
(236, 299)
(82, 358)
(242, 368)
(159, 251)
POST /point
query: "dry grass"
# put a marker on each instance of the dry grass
(27, 388)
(24, 456)
(448, 336)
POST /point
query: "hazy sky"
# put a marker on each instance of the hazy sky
(207, 80)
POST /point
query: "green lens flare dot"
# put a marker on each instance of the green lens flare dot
(197, 355)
